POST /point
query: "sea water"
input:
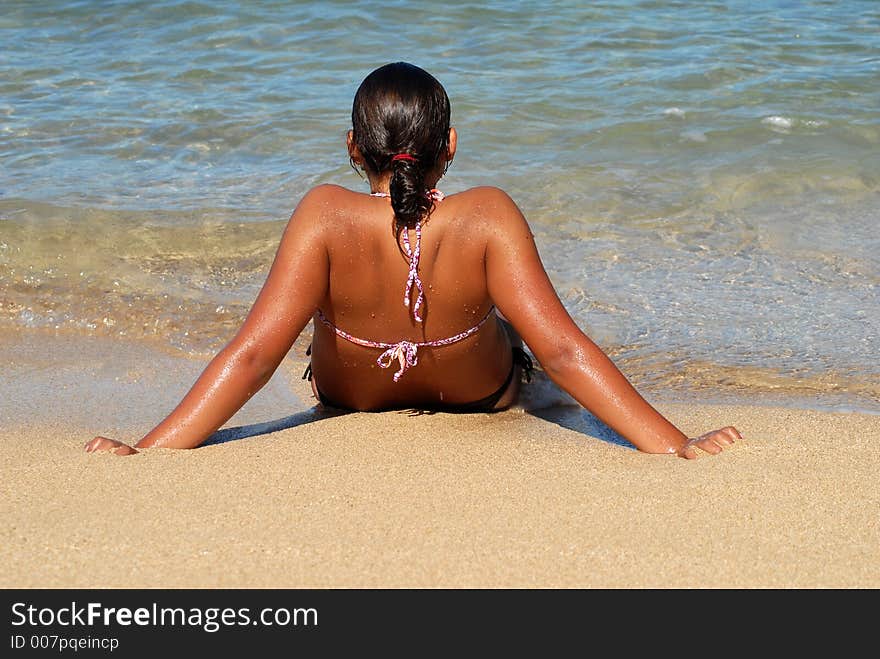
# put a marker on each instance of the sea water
(702, 178)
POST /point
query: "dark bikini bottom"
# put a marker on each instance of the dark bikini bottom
(521, 359)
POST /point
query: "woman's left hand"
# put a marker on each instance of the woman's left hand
(711, 442)
(107, 444)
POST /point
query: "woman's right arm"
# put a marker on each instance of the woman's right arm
(294, 288)
(522, 291)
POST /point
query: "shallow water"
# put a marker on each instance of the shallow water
(703, 181)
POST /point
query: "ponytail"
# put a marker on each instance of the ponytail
(409, 200)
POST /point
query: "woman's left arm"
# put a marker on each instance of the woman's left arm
(523, 292)
(294, 288)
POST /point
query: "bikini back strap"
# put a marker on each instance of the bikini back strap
(405, 352)
(413, 278)
(413, 254)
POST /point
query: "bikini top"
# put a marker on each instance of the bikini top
(406, 352)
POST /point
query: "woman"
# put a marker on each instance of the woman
(406, 289)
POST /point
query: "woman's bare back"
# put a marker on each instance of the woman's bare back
(365, 297)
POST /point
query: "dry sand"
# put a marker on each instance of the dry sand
(515, 499)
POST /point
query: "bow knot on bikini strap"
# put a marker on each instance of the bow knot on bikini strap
(405, 352)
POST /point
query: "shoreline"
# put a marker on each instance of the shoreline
(48, 347)
(295, 499)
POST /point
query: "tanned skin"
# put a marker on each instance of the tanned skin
(338, 254)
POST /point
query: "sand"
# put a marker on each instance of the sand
(295, 499)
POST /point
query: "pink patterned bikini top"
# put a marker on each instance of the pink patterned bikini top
(406, 352)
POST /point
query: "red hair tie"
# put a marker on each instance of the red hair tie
(403, 156)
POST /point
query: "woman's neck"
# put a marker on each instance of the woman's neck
(382, 182)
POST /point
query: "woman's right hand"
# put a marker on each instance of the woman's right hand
(711, 442)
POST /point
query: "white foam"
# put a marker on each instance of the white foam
(674, 112)
(778, 122)
(28, 318)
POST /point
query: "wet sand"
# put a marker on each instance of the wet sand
(295, 499)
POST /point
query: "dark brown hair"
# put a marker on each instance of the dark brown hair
(402, 109)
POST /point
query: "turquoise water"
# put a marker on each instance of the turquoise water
(702, 178)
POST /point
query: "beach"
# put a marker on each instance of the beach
(538, 499)
(702, 183)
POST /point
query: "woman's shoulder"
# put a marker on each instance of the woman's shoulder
(490, 203)
(489, 193)
(327, 191)
(326, 199)
(316, 205)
